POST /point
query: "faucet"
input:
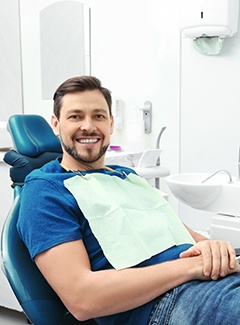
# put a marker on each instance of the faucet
(158, 147)
(159, 137)
(221, 170)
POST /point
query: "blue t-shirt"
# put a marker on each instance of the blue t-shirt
(49, 216)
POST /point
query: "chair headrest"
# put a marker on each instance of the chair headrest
(32, 135)
(23, 165)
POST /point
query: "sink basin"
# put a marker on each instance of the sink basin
(214, 195)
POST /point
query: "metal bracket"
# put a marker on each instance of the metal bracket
(147, 116)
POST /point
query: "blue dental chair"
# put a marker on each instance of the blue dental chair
(34, 145)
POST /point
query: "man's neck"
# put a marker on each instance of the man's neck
(68, 165)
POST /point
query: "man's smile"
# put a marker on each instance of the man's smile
(87, 140)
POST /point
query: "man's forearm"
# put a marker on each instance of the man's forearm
(114, 291)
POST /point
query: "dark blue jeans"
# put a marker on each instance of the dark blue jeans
(200, 303)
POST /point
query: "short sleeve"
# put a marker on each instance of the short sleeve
(48, 216)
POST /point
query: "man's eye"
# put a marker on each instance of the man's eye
(100, 116)
(74, 117)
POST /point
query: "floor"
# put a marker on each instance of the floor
(10, 317)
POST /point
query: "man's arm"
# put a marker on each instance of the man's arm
(89, 294)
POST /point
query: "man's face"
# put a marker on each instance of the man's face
(84, 127)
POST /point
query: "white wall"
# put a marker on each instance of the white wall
(10, 60)
(10, 67)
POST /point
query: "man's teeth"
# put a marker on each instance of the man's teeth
(88, 140)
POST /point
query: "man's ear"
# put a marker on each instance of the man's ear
(112, 125)
(55, 125)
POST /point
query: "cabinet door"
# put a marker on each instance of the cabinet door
(55, 44)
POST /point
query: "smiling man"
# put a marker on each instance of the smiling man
(107, 242)
(84, 126)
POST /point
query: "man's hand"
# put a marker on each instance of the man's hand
(218, 257)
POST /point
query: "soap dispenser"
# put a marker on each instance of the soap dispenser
(209, 18)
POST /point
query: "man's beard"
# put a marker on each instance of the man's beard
(90, 158)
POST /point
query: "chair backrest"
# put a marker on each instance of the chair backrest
(38, 300)
(30, 133)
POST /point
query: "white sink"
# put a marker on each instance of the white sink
(216, 194)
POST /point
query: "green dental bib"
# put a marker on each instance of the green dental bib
(130, 219)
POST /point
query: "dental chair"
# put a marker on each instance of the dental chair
(34, 145)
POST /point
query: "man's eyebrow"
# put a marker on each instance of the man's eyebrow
(73, 111)
(79, 110)
(103, 110)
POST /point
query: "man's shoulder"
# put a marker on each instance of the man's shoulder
(46, 171)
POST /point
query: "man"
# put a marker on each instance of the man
(102, 241)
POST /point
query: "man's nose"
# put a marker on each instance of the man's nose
(87, 124)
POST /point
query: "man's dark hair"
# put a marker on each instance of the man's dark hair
(79, 84)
